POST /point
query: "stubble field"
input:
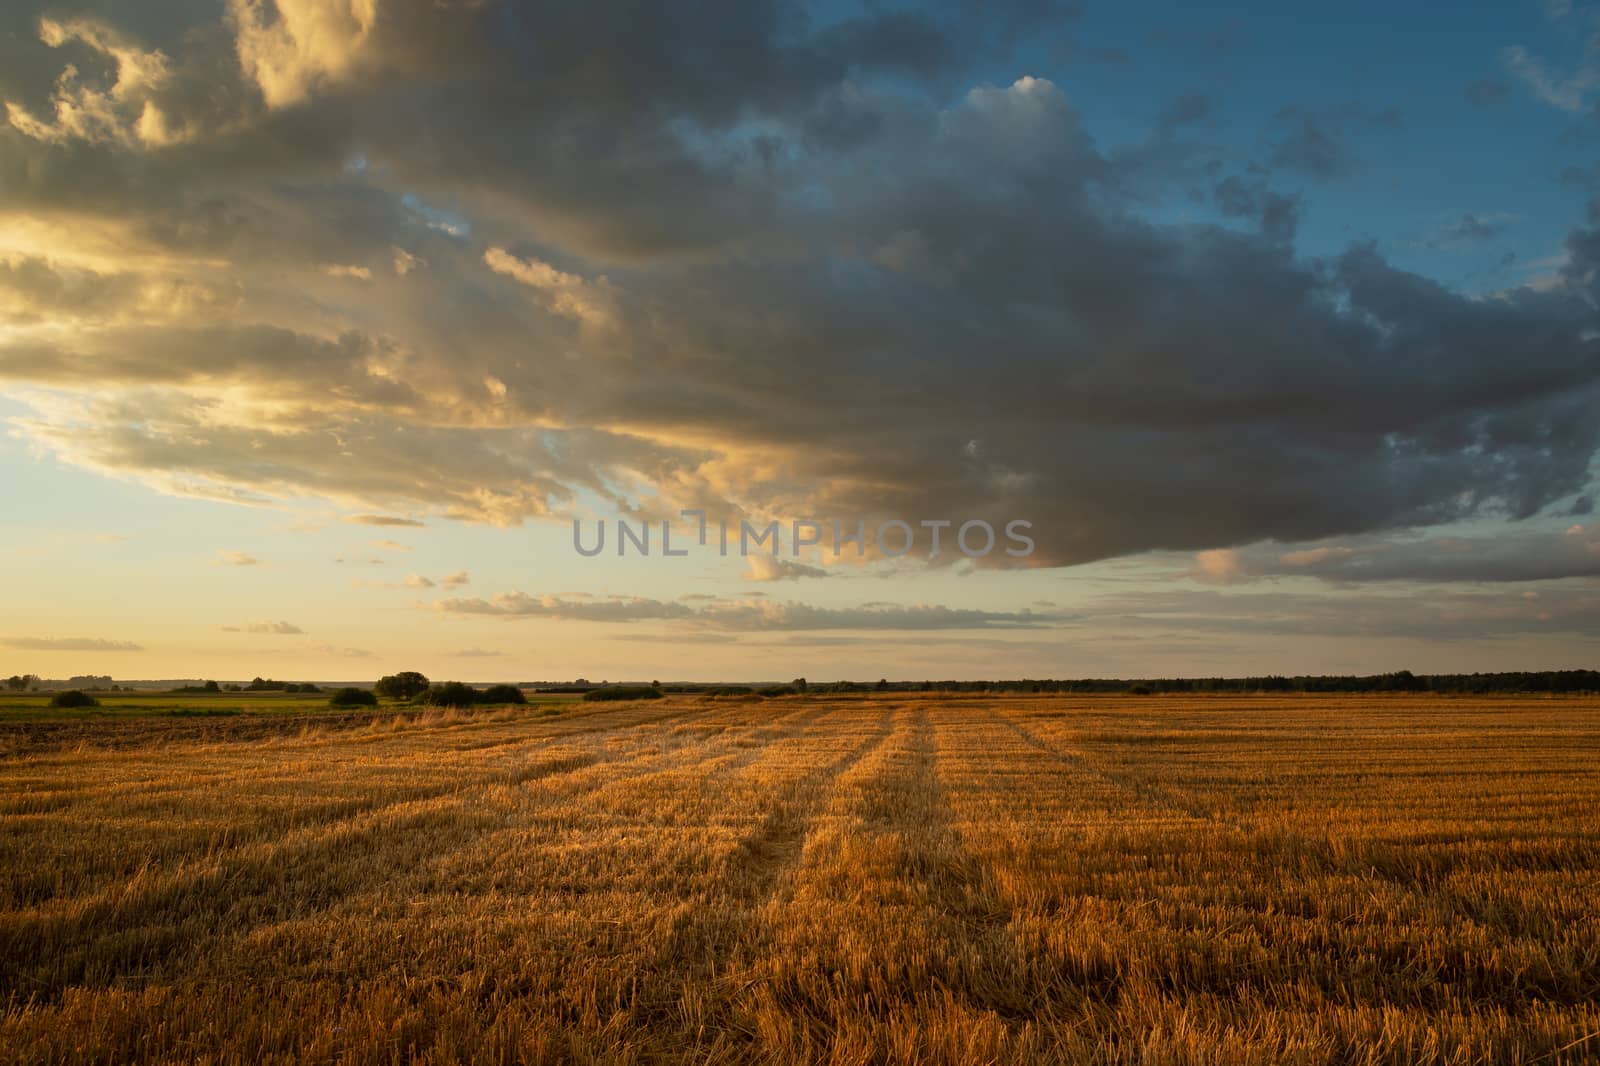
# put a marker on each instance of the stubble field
(929, 879)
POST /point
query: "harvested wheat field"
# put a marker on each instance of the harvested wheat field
(932, 879)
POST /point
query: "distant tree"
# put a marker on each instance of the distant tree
(17, 683)
(267, 685)
(212, 686)
(502, 694)
(449, 694)
(798, 684)
(352, 697)
(73, 698)
(406, 685)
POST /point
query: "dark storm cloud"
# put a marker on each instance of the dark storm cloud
(476, 259)
(1275, 214)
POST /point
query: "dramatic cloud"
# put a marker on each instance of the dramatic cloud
(505, 263)
(125, 110)
(303, 44)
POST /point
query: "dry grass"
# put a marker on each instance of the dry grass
(938, 880)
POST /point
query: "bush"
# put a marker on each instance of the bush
(502, 694)
(73, 698)
(406, 685)
(777, 690)
(449, 694)
(352, 697)
(623, 692)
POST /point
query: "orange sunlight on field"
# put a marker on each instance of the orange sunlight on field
(929, 879)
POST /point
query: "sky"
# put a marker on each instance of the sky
(1264, 338)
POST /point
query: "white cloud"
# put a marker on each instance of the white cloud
(310, 43)
(1219, 566)
(69, 644)
(772, 568)
(1569, 92)
(277, 629)
(591, 303)
(405, 262)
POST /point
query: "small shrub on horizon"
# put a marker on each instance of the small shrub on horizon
(73, 698)
(352, 697)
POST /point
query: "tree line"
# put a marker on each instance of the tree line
(1516, 681)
